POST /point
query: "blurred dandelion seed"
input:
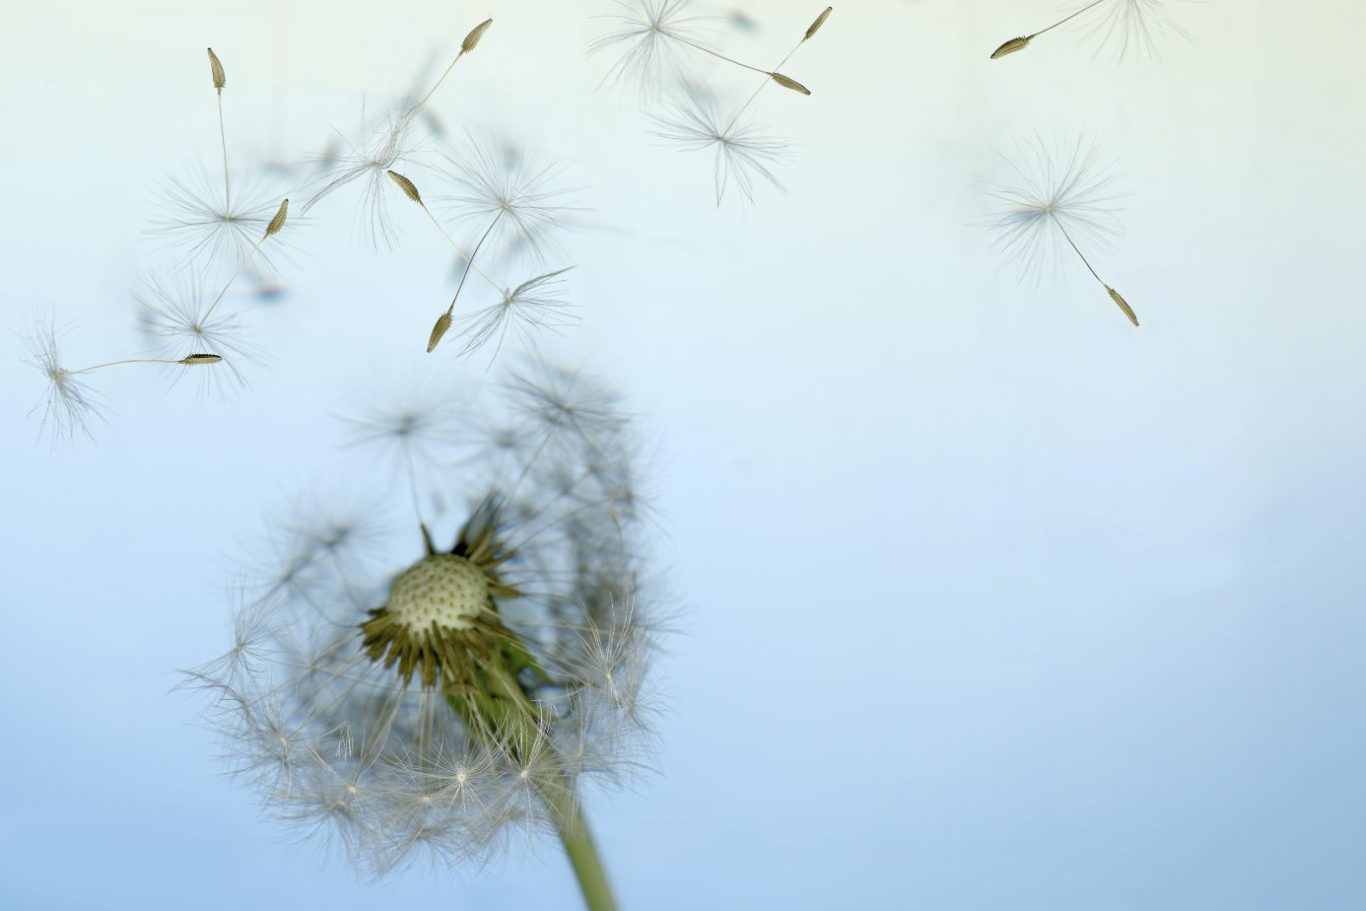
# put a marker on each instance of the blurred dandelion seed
(1058, 199)
(649, 26)
(409, 702)
(744, 156)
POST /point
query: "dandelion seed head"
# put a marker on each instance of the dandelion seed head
(404, 704)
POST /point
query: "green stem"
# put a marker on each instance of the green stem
(578, 844)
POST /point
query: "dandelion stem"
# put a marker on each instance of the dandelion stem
(781, 63)
(246, 260)
(223, 140)
(1064, 22)
(1077, 250)
(469, 263)
(706, 50)
(572, 828)
(425, 98)
(131, 360)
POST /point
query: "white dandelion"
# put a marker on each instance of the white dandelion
(429, 694)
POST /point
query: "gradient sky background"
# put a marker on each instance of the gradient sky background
(991, 601)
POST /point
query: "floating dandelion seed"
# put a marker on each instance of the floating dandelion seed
(431, 703)
(1058, 200)
(531, 305)
(70, 404)
(648, 29)
(1122, 23)
(744, 156)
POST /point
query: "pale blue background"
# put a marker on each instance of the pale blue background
(991, 601)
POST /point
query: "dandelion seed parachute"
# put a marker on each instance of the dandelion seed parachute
(492, 180)
(744, 156)
(1058, 202)
(656, 39)
(69, 404)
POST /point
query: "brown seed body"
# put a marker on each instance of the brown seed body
(472, 39)
(789, 83)
(220, 78)
(200, 359)
(820, 20)
(1011, 46)
(438, 331)
(278, 221)
(407, 186)
(1122, 304)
